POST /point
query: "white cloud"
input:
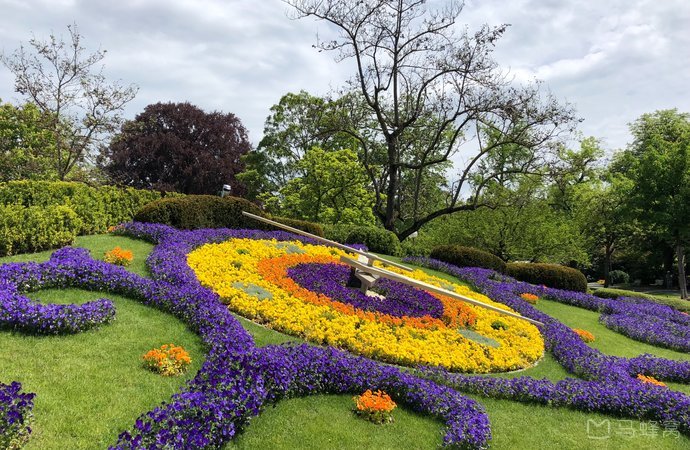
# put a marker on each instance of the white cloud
(614, 60)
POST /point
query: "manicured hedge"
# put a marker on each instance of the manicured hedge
(309, 227)
(377, 240)
(98, 207)
(468, 257)
(550, 275)
(200, 211)
(36, 228)
(193, 212)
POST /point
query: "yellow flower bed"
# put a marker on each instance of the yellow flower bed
(233, 270)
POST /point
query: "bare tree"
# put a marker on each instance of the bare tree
(434, 91)
(66, 84)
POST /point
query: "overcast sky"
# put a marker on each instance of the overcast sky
(613, 59)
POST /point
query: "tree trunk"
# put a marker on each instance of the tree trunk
(607, 267)
(680, 255)
(392, 190)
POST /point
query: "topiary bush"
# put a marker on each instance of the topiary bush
(619, 277)
(468, 257)
(201, 211)
(377, 240)
(551, 275)
(36, 228)
(208, 211)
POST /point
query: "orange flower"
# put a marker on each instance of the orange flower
(118, 256)
(274, 270)
(585, 335)
(650, 380)
(529, 298)
(375, 406)
(168, 360)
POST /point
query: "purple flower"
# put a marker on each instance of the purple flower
(400, 300)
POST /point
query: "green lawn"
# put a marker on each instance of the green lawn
(90, 386)
(94, 387)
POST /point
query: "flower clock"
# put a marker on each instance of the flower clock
(294, 285)
(301, 289)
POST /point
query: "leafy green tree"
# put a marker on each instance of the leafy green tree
(296, 124)
(332, 189)
(574, 168)
(431, 88)
(657, 163)
(527, 228)
(27, 149)
(602, 212)
(67, 85)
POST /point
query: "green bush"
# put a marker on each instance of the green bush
(551, 275)
(97, 207)
(377, 240)
(619, 277)
(468, 257)
(36, 228)
(309, 227)
(201, 211)
(192, 212)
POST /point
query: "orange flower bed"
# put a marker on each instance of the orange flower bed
(585, 335)
(375, 406)
(169, 360)
(529, 298)
(650, 380)
(455, 314)
(119, 256)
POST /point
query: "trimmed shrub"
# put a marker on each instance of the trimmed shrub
(468, 257)
(97, 207)
(192, 212)
(619, 277)
(551, 275)
(36, 228)
(309, 227)
(377, 240)
(201, 211)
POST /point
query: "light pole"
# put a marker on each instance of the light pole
(225, 191)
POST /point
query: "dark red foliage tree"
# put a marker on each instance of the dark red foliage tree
(178, 147)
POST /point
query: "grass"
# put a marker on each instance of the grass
(327, 421)
(312, 422)
(91, 386)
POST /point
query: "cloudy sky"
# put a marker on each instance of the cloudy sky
(614, 59)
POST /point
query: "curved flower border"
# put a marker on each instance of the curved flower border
(15, 415)
(20, 313)
(610, 383)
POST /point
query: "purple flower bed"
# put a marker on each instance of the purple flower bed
(610, 384)
(308, 370)
(20, 313)
(401, 300)
(15, 415)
